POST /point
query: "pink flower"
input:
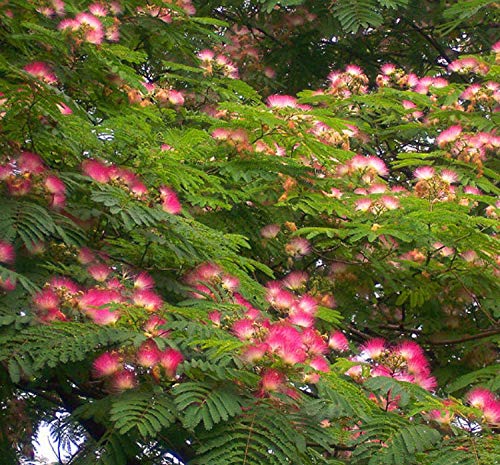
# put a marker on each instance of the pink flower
(424, 172)
(313, 342)
(363, 204)
(272, 380)
(95, 298)
(448, 135)
(254, 353)
(143, 281)
(123, 380)
(98, 9)
(388, 69)
(170, 360)
(298, 247)
(270, 231)
(409, 350)
(378, 165)
(54, 185)
(106, 364)
(449, 176)
(99, 272)
(148, 354)
(31, 163)
(295, 280)
(206, 55)
(338, 341)
(243, 329)
(353, 70)
(64, 109)
(46, 299)
(85, 256)
(281, 101)
(8, 284)
(96, 170)
(152, 326)
(41, 70)
(491, 411)
(7, 253)
(64, 284)
(301, 318)
(308, 304)
(92, 27)
(147, 299)
(170, 201)
(373, 348)
(391, 203)
(320, 363)
(175, 97)
(479, 397)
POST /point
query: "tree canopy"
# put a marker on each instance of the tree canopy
(250, 232)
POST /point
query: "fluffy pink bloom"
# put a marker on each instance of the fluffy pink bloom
(64, 284)
(279, 298)
(378, 165)
(353, 70)
(424, 172)
(103, 316)
(295, 280)
(152, 326)
(243, 329)
(479, 397)
(148, 354)
(442, 416)
(41, 70)
(96, 170)
(99, 271)
(272, 380)
(54, 185)
(7, 254)
(143, 281)
(64, 109)
(92, 27)
(363, 204)
(449, 176)
(391, 203)
(123, 380)
(98, 9)
(338, 341)
(230, 283)
(301, 318)
(491, 411)
(281, 101)
(298, 247)
(46, 299)
(472, 190)
(313, 342)
(85, 256)
(95, 298)
(106, 364)
(8, 284)
(409, 350)
(448, 135)
(373, 348)
(31, 163)
(280, 335)
(175, 97)
(169, 201)
(206, 55)
(270, 231)
(388, 69)
(320, 363)
(308, 304)
(254, 353)
(170, 360)
(147, 299)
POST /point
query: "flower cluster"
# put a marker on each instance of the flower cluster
(217, 63)
(27, 173)
(405, 361)
(121, 370)
(124, 178)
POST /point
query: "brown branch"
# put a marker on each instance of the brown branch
(466, 338)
